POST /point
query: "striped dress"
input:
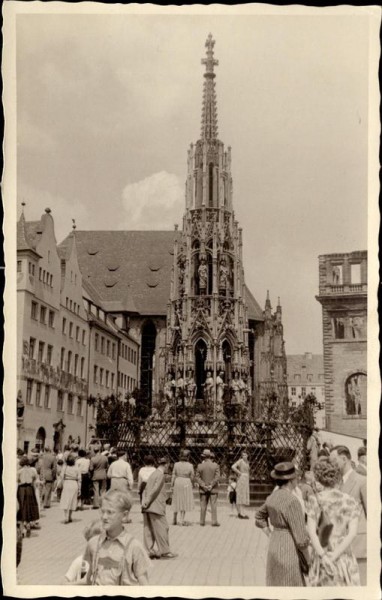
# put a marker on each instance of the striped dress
(284, 512)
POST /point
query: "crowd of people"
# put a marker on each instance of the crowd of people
(329, 498)
(316, 522)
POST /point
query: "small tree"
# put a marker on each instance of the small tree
(111, 410)
(304, 414)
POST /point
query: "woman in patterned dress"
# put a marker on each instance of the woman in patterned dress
(335, 565)
(241, 468)
(283, 511)
(181, 487)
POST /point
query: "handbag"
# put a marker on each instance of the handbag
(324, 527)
(303, 560)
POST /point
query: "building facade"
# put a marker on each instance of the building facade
(306, 376)
(69, 348)
(343, 297)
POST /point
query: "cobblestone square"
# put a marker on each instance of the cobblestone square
(233, 554)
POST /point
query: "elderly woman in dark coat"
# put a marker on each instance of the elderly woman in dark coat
(284, 512)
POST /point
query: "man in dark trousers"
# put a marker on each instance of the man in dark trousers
(155, 525)
(48, 472)
(207, 477)
(98, 471)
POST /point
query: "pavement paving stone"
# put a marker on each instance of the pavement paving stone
(233, 554)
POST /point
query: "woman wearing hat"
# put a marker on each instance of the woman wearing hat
(181, 487)
(283, 511)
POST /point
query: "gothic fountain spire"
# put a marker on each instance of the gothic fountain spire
(209, 130)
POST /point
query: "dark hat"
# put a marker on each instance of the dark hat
(284, 470)
(163, 461)
(206, 453)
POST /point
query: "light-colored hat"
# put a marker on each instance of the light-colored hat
(206, 453)
(284, 470)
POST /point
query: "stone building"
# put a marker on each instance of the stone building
(182, 293)
(58, 318)
(343, 296)
(306, 376)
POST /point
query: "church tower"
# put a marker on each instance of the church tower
(207, 354)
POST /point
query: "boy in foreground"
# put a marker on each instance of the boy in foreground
(115, 557)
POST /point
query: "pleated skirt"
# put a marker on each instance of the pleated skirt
(183, 497)
(69, 495)
(28, 507)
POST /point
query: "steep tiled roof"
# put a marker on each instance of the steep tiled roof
(64, 249)
(33, 228)
(90, 289)
(304, 365)
(254, 310)
(131, 270)
(24, 240)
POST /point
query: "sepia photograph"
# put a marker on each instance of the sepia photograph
(191, 328)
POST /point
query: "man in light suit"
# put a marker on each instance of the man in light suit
(207, 477)
(354, 485)
(155, 525)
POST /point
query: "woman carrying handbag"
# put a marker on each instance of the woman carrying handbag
(332, 526)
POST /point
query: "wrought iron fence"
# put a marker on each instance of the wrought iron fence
(266, 442)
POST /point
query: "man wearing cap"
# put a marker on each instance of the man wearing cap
(207, 477)
(155, 526)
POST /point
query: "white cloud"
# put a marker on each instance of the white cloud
(154, 202)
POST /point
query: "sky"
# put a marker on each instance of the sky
(107, 106)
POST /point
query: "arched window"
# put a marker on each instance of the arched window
(40, 438)
(356, 395)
